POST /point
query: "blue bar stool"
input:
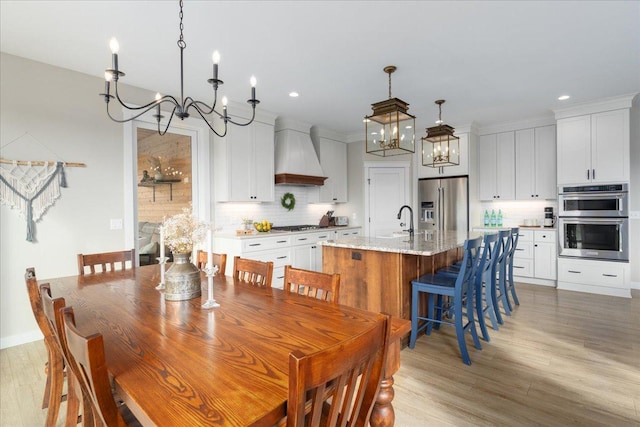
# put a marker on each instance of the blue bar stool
(515, 232)
(484, 282)
(499, 274)
(460, 291)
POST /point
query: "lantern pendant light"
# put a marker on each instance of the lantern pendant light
(390, 130)
(440, 147)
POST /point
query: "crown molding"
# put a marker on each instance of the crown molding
(606, 104)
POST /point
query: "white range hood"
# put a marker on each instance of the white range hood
(296, 162)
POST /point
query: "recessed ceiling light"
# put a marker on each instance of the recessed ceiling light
(563, 97)
(294, 94)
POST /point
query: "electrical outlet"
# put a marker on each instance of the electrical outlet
(634, 214)
(116, 224)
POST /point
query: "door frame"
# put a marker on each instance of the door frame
(200, 166)
(408, 195)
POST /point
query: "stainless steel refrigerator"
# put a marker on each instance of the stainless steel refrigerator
(444, 203)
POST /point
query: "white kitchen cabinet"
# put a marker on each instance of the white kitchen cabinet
(461, 169)
(597, 277)
(333, 160)
(545, 254)
(305, 251)
(496, 166)
(244, 164)
(594, 148)
(535, 163)
(523, 256)
(535, 257)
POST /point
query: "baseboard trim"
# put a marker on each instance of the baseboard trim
(534, 281)
(20, 339)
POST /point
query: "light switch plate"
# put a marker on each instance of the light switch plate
(116, 224)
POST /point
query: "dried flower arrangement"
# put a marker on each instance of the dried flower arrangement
(183, 231)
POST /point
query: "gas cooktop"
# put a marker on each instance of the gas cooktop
(295, 227)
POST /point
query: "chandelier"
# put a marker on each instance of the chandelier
(440, 147)
(179, 107)
(390, 130)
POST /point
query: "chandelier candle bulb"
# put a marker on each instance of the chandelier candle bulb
(253, 87)
(115, 47)
(216, 61)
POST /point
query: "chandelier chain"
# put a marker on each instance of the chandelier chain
(389, 85)
(181, 43)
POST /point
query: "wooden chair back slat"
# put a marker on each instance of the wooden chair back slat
(337, 386)
(107, 261)
(257, 273)
(218, 259)
(312, 284)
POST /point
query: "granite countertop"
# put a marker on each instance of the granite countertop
(426, 244)
(522, 227)
(272, 233)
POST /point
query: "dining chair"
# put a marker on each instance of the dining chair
(87, 353)
(323, 286)
(218, 259)
(54, 367)
(106, 260)
(51, 308)
(458, 292)
(251, 271)
(338, 386)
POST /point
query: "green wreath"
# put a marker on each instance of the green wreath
(288, 201)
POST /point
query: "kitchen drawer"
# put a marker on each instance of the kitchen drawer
(525, 236)
(265, 243)
(310, 238)
(347, 233)
(280, 258)
(595, 273)
(547, 236)
(524, 250)
(523, 267)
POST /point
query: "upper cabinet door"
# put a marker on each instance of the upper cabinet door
(263, 169)
(525, 164)
(506, 157)
(574, 150)
(610, 146)
(487, 167)
(333, 160)
(545, 163)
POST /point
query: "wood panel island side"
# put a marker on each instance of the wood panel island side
(376, 273)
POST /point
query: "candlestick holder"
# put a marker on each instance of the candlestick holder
(210, 272)
(162, 261)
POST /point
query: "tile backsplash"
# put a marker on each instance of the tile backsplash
(515, 212)
(228, 216)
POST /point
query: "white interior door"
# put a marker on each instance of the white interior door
(386, 191)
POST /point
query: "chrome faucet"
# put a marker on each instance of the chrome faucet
(410, 230)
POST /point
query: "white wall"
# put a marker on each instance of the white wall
(65, 119)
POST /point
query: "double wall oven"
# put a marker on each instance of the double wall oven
(594, 222)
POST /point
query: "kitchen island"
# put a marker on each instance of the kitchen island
(376, 273)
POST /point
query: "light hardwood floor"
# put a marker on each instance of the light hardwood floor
(563, 358)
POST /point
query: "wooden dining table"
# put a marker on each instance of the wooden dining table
(174, 363)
